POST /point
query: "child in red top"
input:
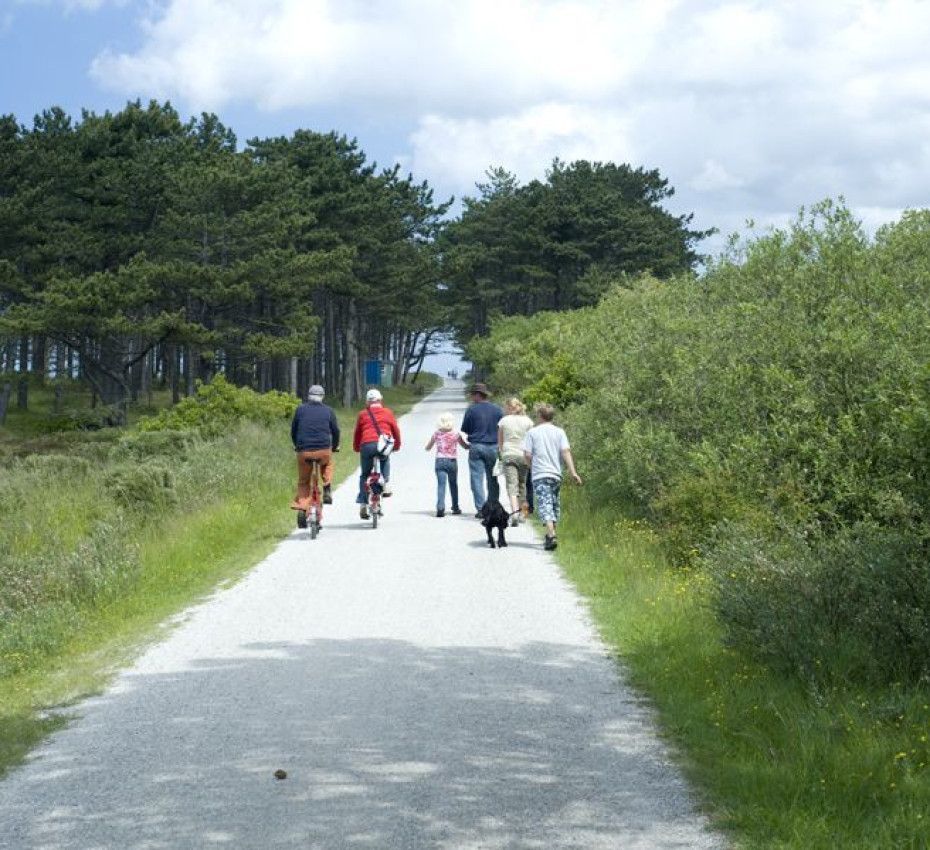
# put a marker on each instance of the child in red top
(447, 441)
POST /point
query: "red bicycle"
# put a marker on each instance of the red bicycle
(374, 487)
(310, 515)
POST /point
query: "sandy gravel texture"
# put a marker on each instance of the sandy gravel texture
(419, 689)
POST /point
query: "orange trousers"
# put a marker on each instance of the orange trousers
(325, 457)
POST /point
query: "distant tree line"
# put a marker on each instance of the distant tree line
(139, 249)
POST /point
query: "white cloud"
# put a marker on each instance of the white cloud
(457, 151)
(750, 108)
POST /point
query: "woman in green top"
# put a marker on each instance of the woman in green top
(511, 430)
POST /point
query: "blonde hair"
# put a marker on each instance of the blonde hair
(445, 422)
(516, 406)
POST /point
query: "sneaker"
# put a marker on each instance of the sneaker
(327, 494)
(514, 521)
(550, 543)
(477, 514)
(387, 490)
(456, 511)
(440, 512)
(363, 512)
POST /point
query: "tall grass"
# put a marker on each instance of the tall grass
(782, 763)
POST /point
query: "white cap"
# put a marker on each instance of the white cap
(373, 395)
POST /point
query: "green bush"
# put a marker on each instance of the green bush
(856, 604)
(786, 388)
(144, 445)
(218, 405)
(143, 485)
(81, 419)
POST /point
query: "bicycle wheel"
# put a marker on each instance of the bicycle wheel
(314, 528)
(301, 519)
(375, 510)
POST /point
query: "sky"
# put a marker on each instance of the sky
(751, 110)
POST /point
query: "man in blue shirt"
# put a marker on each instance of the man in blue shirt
(480, 427)
(315, 434)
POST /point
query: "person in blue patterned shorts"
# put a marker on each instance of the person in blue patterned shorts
(546, 449)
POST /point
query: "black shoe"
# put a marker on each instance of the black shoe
(440, 512)
(456, 511)
(327, 494)
(550, 543)
(477, 514)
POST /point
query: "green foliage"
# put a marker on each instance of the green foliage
(559, 243)
(787, 393)
(856, 604)
(218, 405)
(561, 385)
(142, 485)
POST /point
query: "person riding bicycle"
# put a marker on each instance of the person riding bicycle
(372, 422)
(315, 434)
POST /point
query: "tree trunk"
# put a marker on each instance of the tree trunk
(175, 354)
(38, 355)
(22, 393)
(5, 391)
(350, 359)
(145, 379)
(190, 370)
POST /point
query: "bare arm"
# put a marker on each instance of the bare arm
(570, 464)
(431, 443)
(500, 439)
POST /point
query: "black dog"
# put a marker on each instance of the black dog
(493, 515)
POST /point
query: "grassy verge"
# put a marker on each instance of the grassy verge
(779, 763)
(80, 628)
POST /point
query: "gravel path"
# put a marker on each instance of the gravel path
(420, 690)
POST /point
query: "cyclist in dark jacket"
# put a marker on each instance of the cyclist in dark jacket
(315, 434)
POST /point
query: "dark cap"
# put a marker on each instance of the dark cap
(481, 389)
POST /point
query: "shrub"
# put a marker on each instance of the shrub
(144, 485)
(786, 388)
(142, 445)
(216, 406)
(82, 419)
(854, 604)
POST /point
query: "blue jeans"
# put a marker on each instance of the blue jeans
(447, 468)
(367, 452)
(481, 460)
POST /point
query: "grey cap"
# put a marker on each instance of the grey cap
(316, 391)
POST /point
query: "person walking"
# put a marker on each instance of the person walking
(373, 421)
(447, 441)
(546, 448)
(315, 434)
(510, 433)
(480, 429)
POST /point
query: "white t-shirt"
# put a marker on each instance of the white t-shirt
(545, 443)
(513, 427)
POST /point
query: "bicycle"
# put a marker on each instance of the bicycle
(312, 515)
(374, 487)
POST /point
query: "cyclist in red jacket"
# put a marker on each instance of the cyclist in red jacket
(373, 421)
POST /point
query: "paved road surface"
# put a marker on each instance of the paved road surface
(419, 689)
